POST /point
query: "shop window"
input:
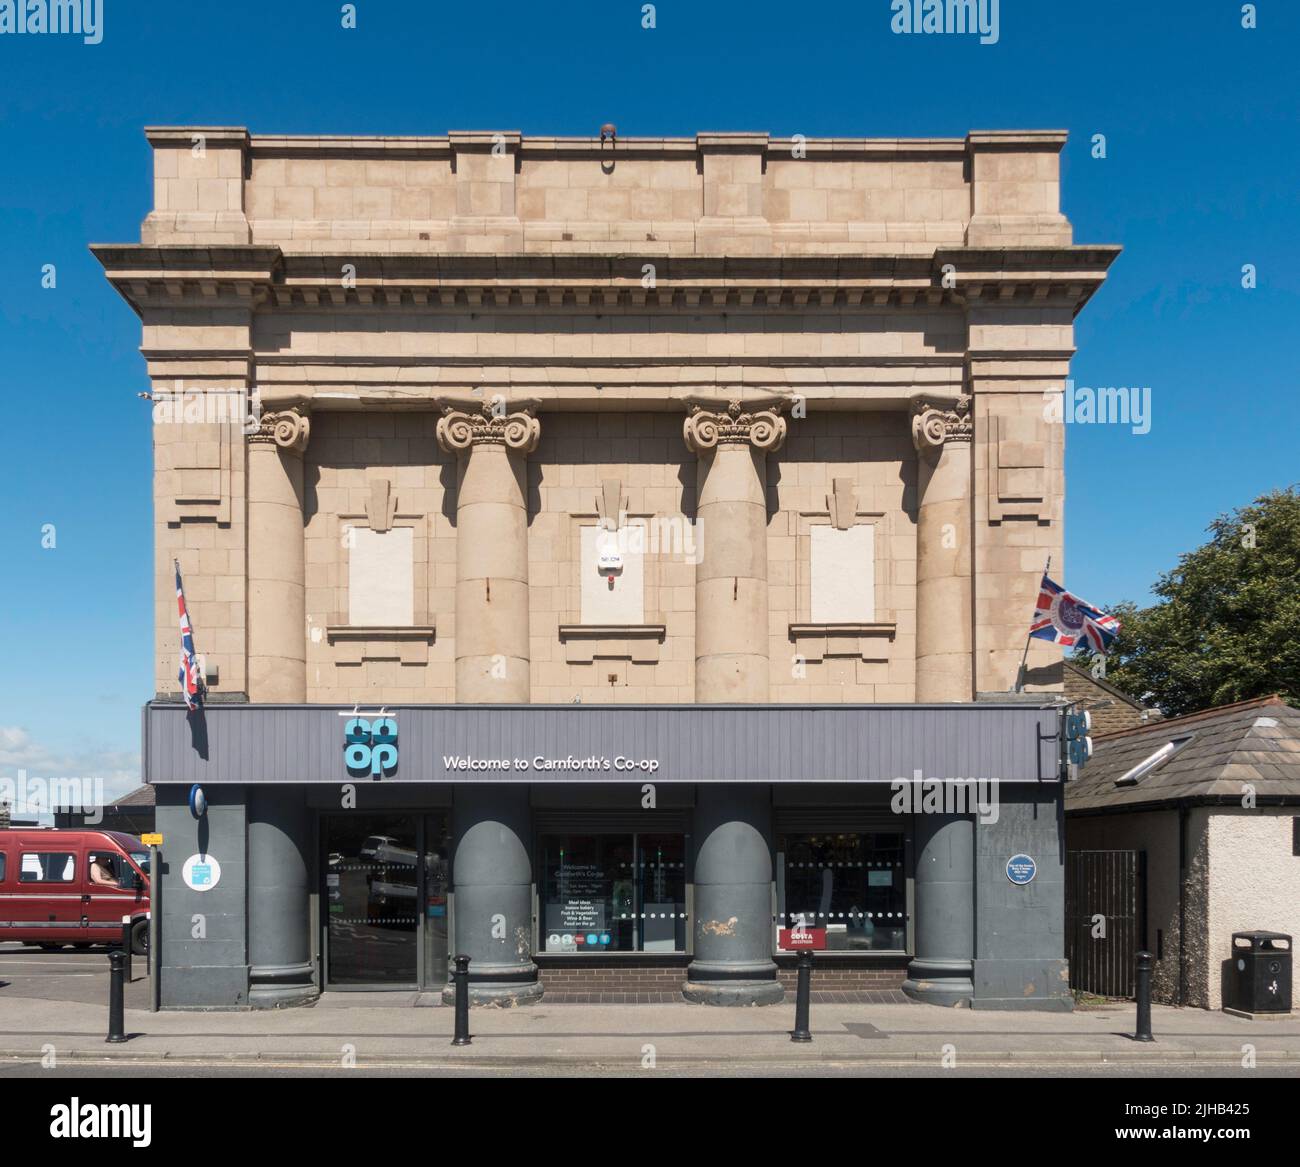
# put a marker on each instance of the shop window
(47, 867)
(851, 884)
(843, 575)
(613, 893)
(381, 578)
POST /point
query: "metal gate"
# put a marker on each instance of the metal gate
(1105, 919)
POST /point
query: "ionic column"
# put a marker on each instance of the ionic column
(731, 625)
(492, 650)
(944, 618)
(733, 899)
(277, 613)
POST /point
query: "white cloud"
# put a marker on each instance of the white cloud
(26, 765)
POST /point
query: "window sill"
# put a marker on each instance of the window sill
(586, 643)
(868, 642)
(355, 643)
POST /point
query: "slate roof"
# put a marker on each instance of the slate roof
(140, 796)
(1255, 742)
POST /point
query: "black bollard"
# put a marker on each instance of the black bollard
(116, 1023)
(801, 999)
(461, 979)
(127, 966)
(1143, 1033)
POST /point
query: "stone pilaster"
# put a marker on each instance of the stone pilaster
(731, 611)
(942, 435)
(492, 649)
(277, 614)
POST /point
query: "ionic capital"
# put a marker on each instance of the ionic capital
(933, 425)
(290, 429)
(705, 429)
(460, 430)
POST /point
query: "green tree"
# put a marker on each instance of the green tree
(1227, 625)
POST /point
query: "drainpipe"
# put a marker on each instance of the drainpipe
(1182, 906)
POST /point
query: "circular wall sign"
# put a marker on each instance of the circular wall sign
(201, 872)
(1021, 869)
(198, 801)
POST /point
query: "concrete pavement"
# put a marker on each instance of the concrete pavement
(55, 1003)
(594, 1038)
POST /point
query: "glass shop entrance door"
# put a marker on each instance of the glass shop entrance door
(384, 900)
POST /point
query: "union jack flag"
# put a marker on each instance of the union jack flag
(1066, 619)
(191, 681)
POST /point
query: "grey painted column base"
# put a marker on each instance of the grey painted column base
(940, 982)
(500, 994)
(731, 989)
(271, 987)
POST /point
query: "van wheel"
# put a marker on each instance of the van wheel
(140, 938)
(52, 947)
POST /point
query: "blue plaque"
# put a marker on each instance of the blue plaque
(1021, 869)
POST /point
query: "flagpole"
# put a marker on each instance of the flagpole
(1020, 675)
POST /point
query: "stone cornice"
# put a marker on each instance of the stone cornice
(184, 136)
(984, 276)
(423, 145)
(215, 277)
(255, 275)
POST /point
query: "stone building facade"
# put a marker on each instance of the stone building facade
(637, 422)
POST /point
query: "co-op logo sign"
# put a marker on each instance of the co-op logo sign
(370, 747)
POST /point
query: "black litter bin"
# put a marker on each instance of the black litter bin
(1261, 972)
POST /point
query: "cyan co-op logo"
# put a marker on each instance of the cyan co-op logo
(370, 748)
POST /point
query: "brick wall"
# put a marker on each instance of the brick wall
(1111, 710)
(830, 974)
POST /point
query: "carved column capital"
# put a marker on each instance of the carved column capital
(705, 429)
(933, 425)
(290, 429)
(460, 430)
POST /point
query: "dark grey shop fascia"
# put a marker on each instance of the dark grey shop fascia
(249, 744)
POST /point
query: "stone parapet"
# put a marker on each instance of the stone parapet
(493, 192)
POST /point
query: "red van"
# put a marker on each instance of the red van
(73, 887)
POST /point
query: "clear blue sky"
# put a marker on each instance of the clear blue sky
(1202, 176)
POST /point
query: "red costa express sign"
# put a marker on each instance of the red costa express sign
(795, 938)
